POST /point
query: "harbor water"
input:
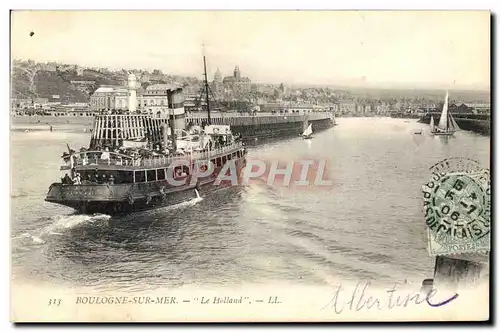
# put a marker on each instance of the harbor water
(367, 226)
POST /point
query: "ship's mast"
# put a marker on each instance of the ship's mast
(206, 92)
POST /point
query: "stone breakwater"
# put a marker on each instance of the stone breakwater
(250, 127)
(273, 126)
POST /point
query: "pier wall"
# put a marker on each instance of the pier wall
(273, 126)
(473, 122)
(250, 127)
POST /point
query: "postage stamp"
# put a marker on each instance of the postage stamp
(457, 205)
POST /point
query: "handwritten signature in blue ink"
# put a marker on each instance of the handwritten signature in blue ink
(360, 299)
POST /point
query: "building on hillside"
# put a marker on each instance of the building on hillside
(235, 87)
(121, 98)
(51, 105)
(39, 102)
(155, 98)
(217, 86)
(103, 99)
(74, 109)
(272, 107)
(346, 107)
(304, 108)
(479, 108)
(463, 108)
(382, 109)
(21, 103)
(428, 107)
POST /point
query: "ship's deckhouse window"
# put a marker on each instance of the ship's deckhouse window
(151, 175)
(224, 159)
(160, 174)
(124, 177)
(140, 176)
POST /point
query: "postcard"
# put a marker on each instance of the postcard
(250, 166)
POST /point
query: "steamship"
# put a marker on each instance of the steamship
(139, 162)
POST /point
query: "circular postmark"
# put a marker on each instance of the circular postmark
(457, 207)
(456, 164)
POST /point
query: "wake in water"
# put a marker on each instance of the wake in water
(162, 210)
(184, 204)
(57, 225)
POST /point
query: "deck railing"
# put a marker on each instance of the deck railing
(85, 158)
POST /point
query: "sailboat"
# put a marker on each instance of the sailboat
(307, 134)
(447, 125)
(433, 125)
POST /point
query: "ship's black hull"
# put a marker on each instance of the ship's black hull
(129, 198)
(126, 207)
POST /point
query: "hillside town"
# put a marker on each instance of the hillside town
(70, 90)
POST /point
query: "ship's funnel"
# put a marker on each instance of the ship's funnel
(176, 108)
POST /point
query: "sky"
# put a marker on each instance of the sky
(445, 49)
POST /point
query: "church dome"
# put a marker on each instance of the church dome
(218, 76)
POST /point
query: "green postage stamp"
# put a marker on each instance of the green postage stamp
(457, 206)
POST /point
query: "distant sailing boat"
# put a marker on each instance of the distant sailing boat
(307, 134)
(447, 124)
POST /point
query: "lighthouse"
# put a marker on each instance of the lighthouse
(132, 93)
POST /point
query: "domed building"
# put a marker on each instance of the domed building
(217, 86)
(218, 76)
(236, 86)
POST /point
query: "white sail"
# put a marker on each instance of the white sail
(454, 123)
(308, 131)
(432, 123)
(443, 120)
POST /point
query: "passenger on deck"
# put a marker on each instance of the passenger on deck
(77, 179)
(111, 180)
(85, 159)
(66, 179)
(157, 150)
(105, 155)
